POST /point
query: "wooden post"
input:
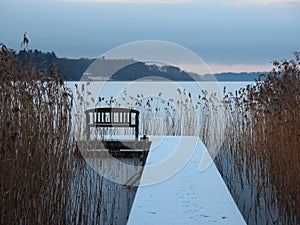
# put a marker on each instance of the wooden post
(87, 115)
(137, 126)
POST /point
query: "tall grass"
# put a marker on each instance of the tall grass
(35, 142)
(42, 180)
(158, 115)
(260, 160)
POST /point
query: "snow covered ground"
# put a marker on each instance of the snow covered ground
(174, 191)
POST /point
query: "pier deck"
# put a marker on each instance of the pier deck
(187, 197)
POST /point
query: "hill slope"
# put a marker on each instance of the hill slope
(73, 69)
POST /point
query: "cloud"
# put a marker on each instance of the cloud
(235, 2)
(263, 2)
(135, 1)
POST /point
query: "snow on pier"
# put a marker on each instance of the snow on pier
(187, 197)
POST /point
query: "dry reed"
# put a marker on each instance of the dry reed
(262, 141)
(42, 180)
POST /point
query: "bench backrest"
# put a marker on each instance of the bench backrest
(112, 117)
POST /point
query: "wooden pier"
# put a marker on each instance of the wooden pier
(118, 149)
(186, 196)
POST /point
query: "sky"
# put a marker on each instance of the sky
(229, 35)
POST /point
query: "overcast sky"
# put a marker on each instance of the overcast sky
(228, 35)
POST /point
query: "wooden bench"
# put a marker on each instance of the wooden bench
(112, 117)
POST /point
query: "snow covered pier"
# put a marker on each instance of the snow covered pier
(174, 191)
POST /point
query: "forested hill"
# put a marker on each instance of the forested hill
(230, 76)
(72, 69)
(140, 70)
